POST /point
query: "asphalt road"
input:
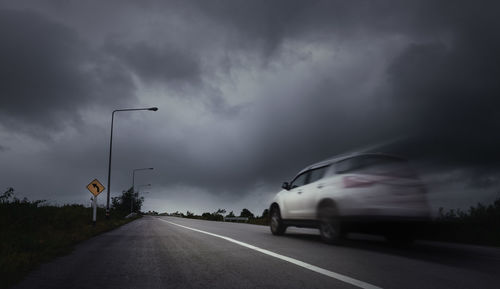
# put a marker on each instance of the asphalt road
(168, 252)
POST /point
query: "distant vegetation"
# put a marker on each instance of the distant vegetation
(32, 232)
(219, 216)
(480, 224)
(121, 204)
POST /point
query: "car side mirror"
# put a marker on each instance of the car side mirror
(285, 186)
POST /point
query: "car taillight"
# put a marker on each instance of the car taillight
(352, 182)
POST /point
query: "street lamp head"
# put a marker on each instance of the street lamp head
(153, 108)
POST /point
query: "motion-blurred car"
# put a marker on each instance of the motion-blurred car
(362, 192)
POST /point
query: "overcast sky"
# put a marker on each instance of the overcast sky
(249, 93)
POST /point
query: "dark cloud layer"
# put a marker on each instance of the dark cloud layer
(162, 65)
(266, 24)
(451, 89)
(255, 90)
(47, 74)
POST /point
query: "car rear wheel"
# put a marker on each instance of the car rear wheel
(276, 224)
(329, 225)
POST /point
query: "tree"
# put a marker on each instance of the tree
(215, 216)
(8, 197)
(265, 214)
(230, 215)
(123, 203)
(4, 198)
(246, 213)
(177, 214)
(220, 211)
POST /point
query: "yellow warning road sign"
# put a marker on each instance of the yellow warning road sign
(95, 187)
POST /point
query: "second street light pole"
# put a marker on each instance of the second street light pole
(111, 150)
(138, 191)
(133, 184)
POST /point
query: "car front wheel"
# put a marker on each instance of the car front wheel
(276, 224)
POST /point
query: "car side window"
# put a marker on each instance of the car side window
(300, 180)
(317, 174)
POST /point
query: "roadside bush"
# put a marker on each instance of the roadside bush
(121, 204)
(478, 225)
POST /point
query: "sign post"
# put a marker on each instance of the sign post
(95, 187)
(94, 211)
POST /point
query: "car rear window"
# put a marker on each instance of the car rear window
(376, 165)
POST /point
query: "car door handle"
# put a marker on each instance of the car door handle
(320, 186)
(299, 192)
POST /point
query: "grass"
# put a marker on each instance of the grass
(31, 233)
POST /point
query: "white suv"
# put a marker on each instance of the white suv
(362, 192)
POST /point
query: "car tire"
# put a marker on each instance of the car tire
(329, 225)
(276, 224)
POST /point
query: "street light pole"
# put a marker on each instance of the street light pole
(133, 184)
(138, 191)
(111, 150)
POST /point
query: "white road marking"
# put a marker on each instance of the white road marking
(343, 278)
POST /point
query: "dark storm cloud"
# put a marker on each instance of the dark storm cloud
(337, 76)
(439, 89)
(450, 90)
(442, 89)
(266, 24)
(3, 148)
(163, 64)
(483, 178)
(47, 74)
